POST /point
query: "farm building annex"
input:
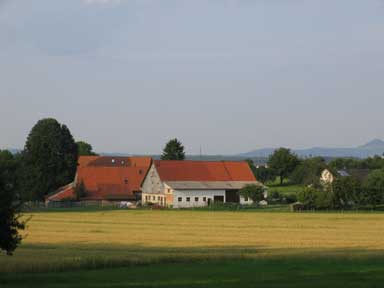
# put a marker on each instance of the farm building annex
(177, 184)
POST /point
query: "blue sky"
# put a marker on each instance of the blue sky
(227, 75)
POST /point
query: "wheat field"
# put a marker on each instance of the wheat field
(56, 241)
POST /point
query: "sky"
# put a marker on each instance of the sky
(229, 76)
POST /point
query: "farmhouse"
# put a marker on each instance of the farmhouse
(185, 184)
(328, 176)
(106, 179)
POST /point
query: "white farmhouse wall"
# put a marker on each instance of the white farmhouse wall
(152, 183)
(192, 194)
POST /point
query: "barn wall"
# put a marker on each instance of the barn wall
(209, 194)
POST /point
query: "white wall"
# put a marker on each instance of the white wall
(209, 194)
(152, 183)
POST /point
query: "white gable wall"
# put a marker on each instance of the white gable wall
(152, 183)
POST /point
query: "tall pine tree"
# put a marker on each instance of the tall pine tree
(173, 150)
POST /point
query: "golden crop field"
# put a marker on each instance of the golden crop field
(62, 240)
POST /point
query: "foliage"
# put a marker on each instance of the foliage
(290, 198)
(262, 173)
(373, 163)
(173, 150)
(283, 162)
(10, 204)
(308, 171)
(80, 190)
(253, 192)
(49, 158)
(374, 188)
(308, 197)
(85, 149)
(347, 192)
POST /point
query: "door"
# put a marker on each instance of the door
(232, 196)
(218, 199)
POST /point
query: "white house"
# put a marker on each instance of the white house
(186, 184)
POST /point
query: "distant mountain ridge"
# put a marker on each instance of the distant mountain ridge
(370, 149)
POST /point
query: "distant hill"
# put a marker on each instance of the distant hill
(372, 148)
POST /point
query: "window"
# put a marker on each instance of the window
(196, 199)
(126, 181)
(154, 198)
(246, 199)
(159, 198)
(205, 199)
(180, 199)
(188, 199)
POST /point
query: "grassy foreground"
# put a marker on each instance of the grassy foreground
(247, 273)
(197, 249)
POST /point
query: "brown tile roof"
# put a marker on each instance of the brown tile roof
(204, 171)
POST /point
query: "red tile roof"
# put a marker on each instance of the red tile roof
(108, 177)
(111, 182)
(204, 171)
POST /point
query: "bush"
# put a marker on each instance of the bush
(290, 198)
(253, 192)
(373, 193)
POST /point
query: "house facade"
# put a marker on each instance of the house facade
(187, 184)
(328, 177)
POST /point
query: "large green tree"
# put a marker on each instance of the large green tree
(173, 150)
(347, 191)
(374, 188)
(85, 149)
(283, 162)
(308, 171)
(262, 174)
(50, 158)
(10, 204)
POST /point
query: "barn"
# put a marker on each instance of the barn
(187, 184)
(106, 179)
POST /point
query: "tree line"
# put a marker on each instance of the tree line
(343, 193)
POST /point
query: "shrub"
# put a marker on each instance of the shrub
(253, 192)
(290, 198)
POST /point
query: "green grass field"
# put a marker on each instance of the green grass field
(286, 188)
(198, 249)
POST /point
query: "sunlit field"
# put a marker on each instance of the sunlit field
(73, 241)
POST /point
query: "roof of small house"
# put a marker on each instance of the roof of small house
(360, 174)
(203, 171)
(63, 193)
